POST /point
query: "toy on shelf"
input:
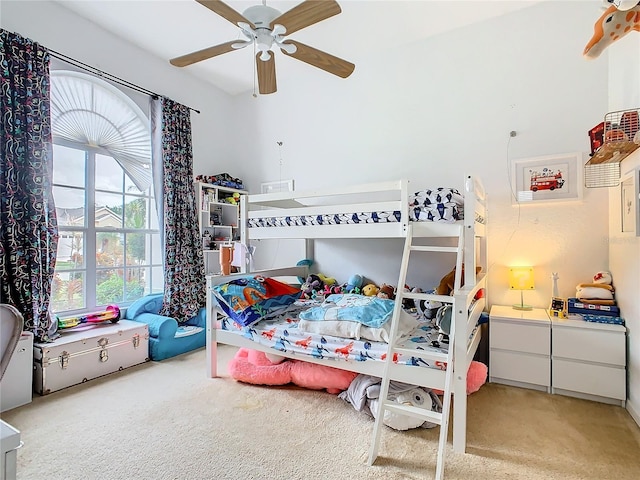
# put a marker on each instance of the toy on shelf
(221, 179)
(110, 314)
(226, 255)
(558, 306)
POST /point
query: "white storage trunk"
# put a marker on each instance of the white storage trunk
(81, 355)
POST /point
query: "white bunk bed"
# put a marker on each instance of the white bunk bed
(467, 299)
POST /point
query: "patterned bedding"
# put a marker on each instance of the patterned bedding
(437, 205)
(281, 332)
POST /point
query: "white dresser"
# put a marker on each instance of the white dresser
(16, 386)
(520, 347)
(589, 360)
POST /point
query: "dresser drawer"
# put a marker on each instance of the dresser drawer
(520, 337)
(520, 367)
(588, 378)
(589, 345)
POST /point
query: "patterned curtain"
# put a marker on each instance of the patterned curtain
(184, 275)
(28, 225)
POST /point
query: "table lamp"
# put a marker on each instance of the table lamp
(521, 278)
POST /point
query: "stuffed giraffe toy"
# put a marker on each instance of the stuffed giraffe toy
(610, 27)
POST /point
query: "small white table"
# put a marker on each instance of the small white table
(10, 442)
(520, 347)
(589, 360)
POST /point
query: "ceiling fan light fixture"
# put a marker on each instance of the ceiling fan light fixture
(265, 55)
(266, 28)
(289, 48)
(261, 15)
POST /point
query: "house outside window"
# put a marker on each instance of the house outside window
(109, 248)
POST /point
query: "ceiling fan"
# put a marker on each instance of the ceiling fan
(266, 28)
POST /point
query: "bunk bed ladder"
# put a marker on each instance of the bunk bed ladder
(442, 418)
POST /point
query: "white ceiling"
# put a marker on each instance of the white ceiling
(173, 28)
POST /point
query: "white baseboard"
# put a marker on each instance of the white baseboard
(634, 412)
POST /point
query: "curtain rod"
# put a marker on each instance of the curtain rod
(106, 75)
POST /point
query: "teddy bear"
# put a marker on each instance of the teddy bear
(387, 291)
(445, 287)
(259, 368)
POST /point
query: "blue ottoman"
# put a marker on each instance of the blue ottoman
(165, 338)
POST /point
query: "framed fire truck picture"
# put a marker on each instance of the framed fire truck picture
(550, 178)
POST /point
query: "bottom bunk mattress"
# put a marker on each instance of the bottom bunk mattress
(281, 332)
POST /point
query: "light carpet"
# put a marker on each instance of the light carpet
(167, 420)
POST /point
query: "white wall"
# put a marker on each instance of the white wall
(443, 107)
(60, 29)
(624, 248)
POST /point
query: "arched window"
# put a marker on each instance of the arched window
(109, 248)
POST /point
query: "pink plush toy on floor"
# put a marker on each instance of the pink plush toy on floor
(252, 366)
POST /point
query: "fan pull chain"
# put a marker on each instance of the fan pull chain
(255, 73)
(280, 154)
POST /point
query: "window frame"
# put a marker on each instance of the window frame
(90, 231)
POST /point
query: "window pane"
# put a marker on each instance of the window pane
(109, 174)
(68, 166)
(129, 186)
(108, 210)
(136, 283)
(109, 249)
(157, 280)
(70, 253)
(136, 249)
(67, 291)
(135, 212)
(69, 206)
(109, 287)
(153, 214)
(156, 252)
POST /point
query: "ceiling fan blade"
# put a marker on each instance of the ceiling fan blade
(320, 59)
(225, 11)
(307, 13)
(203, 54)
(266, 74)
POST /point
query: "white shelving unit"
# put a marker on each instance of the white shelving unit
(218, 221)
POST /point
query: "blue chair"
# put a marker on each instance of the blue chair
(165, 339)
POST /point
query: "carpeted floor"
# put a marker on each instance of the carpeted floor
(166, 420)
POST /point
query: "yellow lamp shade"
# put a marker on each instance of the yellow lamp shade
(521, 278)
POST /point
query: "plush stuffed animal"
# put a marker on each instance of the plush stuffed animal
(416, 397)
(364, 395)
(445, 287)
(326, 280)
(370, 290)
(354, 284)
(603, 277)
(611, 27)
(476, 377)
(252, 366)
(387, 291)
(312, 286)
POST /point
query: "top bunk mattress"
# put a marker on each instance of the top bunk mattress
(431, 205)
